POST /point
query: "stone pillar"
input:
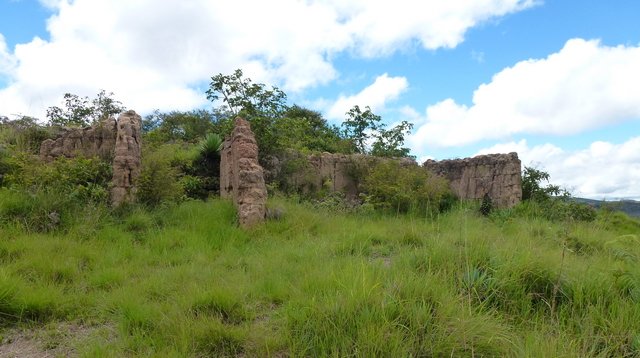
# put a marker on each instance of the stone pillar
(241, 177)
(126, 160)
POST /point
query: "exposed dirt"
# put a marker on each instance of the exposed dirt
(53, 340)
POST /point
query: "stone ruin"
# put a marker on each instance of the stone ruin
(241, 177)
(117, 141)
(243, 180)
(126, 159)
(322, 171)
(98, 140)
(496, 175)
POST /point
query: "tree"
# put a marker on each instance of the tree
(532, 188)
(389, 142)
(260, 105)
(188, 126)
(304, 129)
(243, 97)
(359, 125)
(81, 111)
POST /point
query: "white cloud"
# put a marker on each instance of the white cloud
(151, 54)
(7, 62)
(585, 85)
(602, 171)
(376, 95)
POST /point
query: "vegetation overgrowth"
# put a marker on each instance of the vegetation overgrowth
(183, 280)
(405, 270)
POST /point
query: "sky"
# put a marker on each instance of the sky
(557, 81)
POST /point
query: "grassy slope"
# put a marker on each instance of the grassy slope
(184, 281)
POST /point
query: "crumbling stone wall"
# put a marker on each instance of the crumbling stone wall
(126, 159)
(498, 175)
(307, 174)
(98, 140)
(117, 141)
(241, 177)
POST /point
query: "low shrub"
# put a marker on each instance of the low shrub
(158, 182)
(557, 209)
(393, 187)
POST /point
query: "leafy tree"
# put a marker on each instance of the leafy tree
(260, 105)
(104, 106)
(81, 111)
(389, 142)
(304, 129)
(359, 125)
(188, 126)
(243, 97)
(532, 188)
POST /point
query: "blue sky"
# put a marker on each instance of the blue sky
(556, 81)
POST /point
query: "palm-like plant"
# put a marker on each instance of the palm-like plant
(211, 145)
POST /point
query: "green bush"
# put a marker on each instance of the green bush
(557, 209)
(42, 197)
(82, 179)
(486, 206)
(24, 134)
(393, 187)
(158, 181)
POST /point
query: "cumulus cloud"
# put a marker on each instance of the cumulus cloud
(584, 86)
(154, 54)
(602, 171)
(7, 62)
(376, 95)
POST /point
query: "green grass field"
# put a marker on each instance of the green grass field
(185, 281)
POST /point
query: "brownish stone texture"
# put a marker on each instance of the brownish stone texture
(98, 140)
(126, 160)
(241, 177)
(498, 175)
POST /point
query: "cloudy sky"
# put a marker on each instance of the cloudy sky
(558, 81)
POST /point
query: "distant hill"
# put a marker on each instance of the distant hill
(630, 207)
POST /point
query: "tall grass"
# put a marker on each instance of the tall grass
(185, 281)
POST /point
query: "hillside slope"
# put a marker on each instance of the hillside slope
(185, 281)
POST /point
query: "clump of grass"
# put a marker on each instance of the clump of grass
(184, 280)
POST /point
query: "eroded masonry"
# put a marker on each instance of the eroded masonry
(496, 175)
(114, 140)
(241, 177)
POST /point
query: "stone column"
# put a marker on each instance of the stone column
(126, 161)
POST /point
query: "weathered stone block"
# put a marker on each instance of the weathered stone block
(241, 177)
(497, 175)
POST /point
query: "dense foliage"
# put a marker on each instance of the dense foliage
(393, 187)
(278, 126)
(82, 111)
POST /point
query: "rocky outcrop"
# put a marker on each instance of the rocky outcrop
(126, 158)
(497, 175)
(241, 177)
(98, 140)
